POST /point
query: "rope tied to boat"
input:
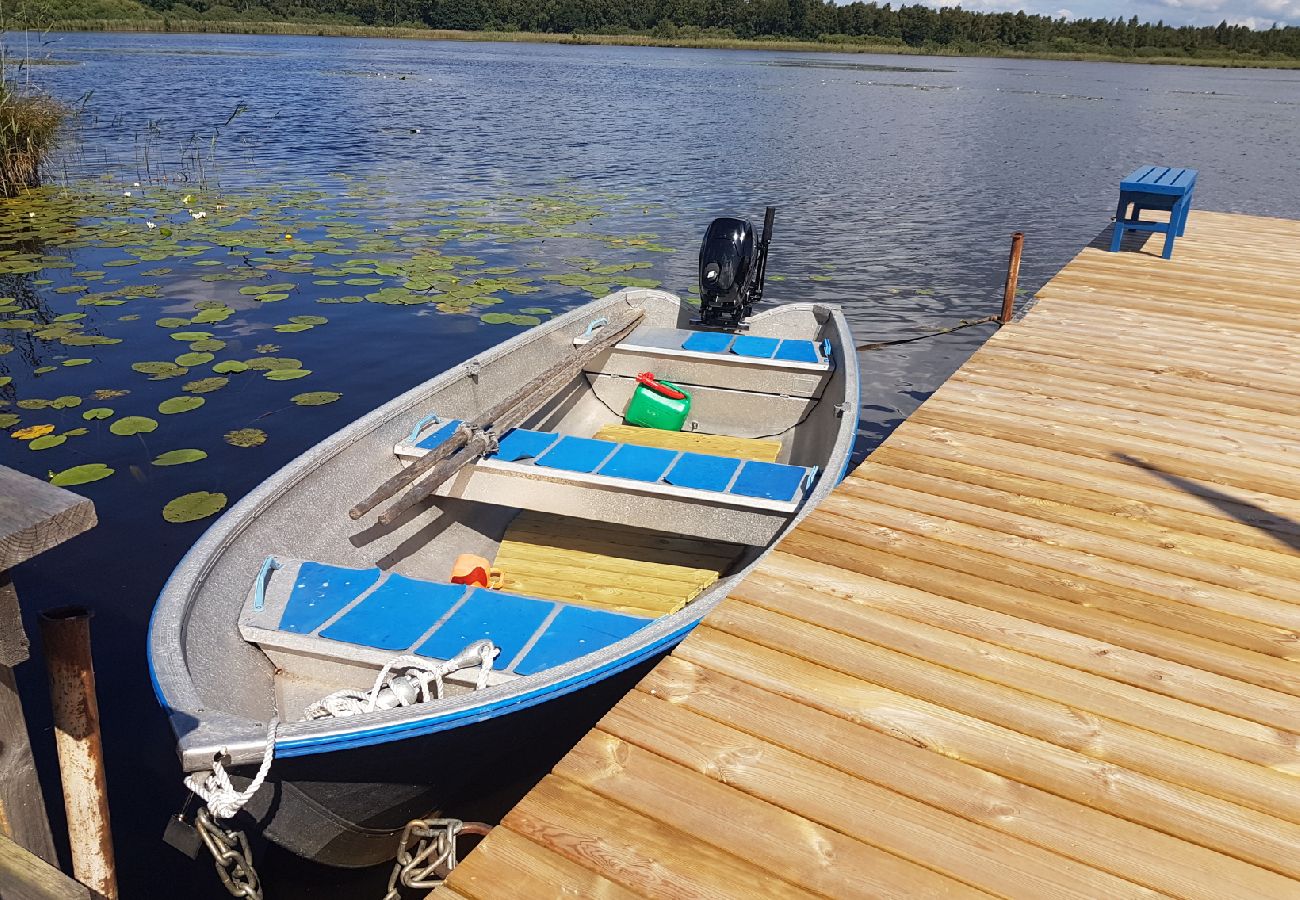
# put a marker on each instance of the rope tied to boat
(220, 796)
(410, 686)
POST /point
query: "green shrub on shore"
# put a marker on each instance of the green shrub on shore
(29, 125)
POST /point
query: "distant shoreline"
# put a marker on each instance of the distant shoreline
(178, 26)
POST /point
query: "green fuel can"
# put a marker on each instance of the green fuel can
(657, 404)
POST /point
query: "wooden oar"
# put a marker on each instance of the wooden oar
(507, 414)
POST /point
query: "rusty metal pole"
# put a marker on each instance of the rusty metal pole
(1013, 276)
(66, 634)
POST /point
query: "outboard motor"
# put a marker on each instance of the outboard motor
(732, 270)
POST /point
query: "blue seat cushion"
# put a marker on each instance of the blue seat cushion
(521, 443)
(757, 347)
(575, 632)
(319, 591)
(436, 437)
(508, 620)
(396, 614)
(708, 342)
(703, 472)
(575, 454)
(639, 463)
(797, 351)
(770, 481)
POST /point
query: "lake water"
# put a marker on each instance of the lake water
(275, 182)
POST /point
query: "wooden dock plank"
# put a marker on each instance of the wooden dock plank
(1045, 642)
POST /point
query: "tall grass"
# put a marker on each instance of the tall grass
(29, 126)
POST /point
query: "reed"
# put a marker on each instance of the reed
(29, 125)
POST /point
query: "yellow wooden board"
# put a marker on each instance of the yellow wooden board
(1045, 642)
(714, 444)
(608, 566)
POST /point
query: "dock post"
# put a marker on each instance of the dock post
(34, 516)
(66, 634)
(22, 805)
(1013, 276)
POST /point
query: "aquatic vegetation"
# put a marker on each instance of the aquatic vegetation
(83, 474)
(246, 437)
(179, 457)
(29, 125)
(176, 405)
(315, 398)
(70, 257)
(129, 425)
(194, 506)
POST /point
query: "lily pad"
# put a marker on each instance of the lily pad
(9, 420)
(819, 278)
(129, 425)
(206, 385)
(246, 437)
(174, 405)
(315, 398)
(31, 432)
(190, 335)
(81, 474)
(179, 457)
(271, 298)
(509, 319)
(78, 362)
(363, 282)
(286, 374)
(46, 442)
(227, 366)
(194, 359)
(172, 322)
(195, 506)
(308, 320)
(292, 328)
(267, 363)
(209, 346)
(213, 315)
(160, 370)
(99, 412)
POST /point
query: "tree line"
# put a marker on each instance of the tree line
(916, 26)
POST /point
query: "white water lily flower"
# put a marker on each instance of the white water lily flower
(31, 215)
(126, 193)
(199, 215)
(135, 184)
(151, 225)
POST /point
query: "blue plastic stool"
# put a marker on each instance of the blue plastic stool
(1154, 187)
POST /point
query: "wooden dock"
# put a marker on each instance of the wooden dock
(1043, 643)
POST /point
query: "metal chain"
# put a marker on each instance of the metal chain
(426, 853)
(231, 856)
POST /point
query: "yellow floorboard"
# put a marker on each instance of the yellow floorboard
(714, 444)
(608, 566)
(1044, 642)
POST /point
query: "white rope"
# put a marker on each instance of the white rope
(350, 702)
(222, 800)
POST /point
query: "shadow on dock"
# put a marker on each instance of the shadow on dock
(1283, 529)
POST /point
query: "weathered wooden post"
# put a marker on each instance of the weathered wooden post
(66, 634)
(1013, 276)
(34, 516)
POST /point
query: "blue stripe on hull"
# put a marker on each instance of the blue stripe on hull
(402, 730)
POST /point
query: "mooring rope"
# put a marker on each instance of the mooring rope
(964, 323)
(216, 790)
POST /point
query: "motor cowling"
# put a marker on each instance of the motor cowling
(732, 264)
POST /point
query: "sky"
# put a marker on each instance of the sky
(1254, 13)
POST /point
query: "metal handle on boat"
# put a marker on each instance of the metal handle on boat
(594, 324)
(827, 349)
(430, 419)
(259, 595)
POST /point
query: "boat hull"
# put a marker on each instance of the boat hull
(347, 808)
